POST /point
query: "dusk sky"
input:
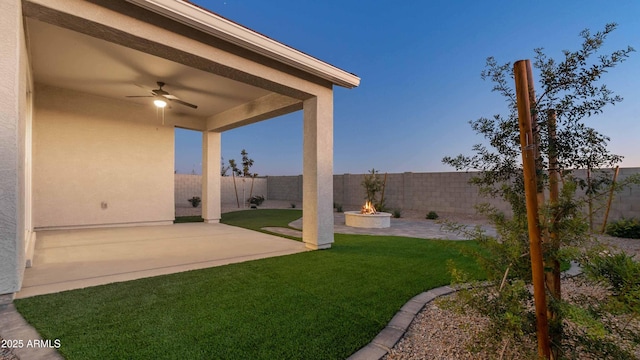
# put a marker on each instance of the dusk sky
(420, 64)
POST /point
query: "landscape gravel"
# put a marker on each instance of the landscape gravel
(439, 333)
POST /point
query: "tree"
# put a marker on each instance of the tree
(245, 172)
(247, 163)
(373, 184)
(223, 169)
(235, 172)
(571, 91)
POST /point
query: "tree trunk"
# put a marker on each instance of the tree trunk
(236, 189)
(552, 274)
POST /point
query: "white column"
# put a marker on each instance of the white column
(211, 153)
(317, 172)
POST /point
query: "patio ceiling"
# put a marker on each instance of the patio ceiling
(71, 60)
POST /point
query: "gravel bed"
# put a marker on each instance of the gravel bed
(438, 333)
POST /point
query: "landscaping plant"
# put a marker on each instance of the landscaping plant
(195, 201)
(256, 200)
(570, 91)
(625, 228)
(373, 185)
(432, 215)
(247, 163)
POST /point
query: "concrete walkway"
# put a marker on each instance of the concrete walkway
(415, 228)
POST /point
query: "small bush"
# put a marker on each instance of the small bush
(339, 208)
(195, 201)
(397, 213)
(256, 200)
(293, 206)
(432, 215)
(625, 228)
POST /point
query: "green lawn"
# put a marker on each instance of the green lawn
(314, 305)
(188, 219)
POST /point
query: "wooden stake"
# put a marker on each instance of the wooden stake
(530, 187)
(536, 135)
(606, 213)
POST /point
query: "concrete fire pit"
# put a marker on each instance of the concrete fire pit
(376, 221)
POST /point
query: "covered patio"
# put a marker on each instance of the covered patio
(84, 147)
(73, 259)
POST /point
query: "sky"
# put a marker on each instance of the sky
(419, 64)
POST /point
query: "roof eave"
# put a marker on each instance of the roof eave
(210, 23)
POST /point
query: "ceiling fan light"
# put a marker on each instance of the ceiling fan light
(159, 103)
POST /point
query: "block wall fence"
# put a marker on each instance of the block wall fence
(438, 191)
(188, 186)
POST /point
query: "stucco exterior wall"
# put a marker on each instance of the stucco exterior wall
(14, 68)
(99, 161)
(188, 186)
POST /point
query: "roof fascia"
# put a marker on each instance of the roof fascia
(212, 24)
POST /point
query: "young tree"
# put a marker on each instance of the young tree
(235, 172)
(373, 184)
(245, 172)
(570, 92)
(247, 163)
(223, 169)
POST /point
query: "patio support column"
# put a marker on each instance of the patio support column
(13, 69)
(211, 158)
(317, 172)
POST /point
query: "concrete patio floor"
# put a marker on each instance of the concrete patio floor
(73, 259)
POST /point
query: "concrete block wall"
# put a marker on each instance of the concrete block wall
(188, 186)
(441, 191)
(625, 203)
(284, 188)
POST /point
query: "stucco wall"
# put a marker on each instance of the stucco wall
(188, 186)
(440, 192)
(90, 150)
(13, 124)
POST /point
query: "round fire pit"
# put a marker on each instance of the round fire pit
(377, 221)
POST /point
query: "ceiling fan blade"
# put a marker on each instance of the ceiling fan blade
(136, 96)
(182, 102)
(147, 88)
(171, 97)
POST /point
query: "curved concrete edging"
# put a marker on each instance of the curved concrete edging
(399, 324)
(397, 327)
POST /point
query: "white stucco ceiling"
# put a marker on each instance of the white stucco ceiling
(67, 59)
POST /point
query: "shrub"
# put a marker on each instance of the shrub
(432, 215)
(195, 201)
(339, 208)
(256, 200)
(293, 206)
(625, 228)
(397, 213)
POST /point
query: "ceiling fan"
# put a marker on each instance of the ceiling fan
(159, 92)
